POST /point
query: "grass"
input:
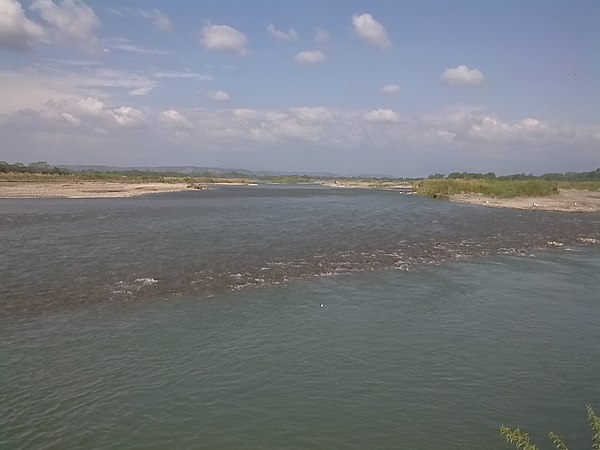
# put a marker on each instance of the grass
(491, 188)
(585, 185)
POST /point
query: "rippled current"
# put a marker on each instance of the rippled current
(66, 252)
(212, 319)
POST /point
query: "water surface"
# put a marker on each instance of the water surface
(59, 253)
(252, 318)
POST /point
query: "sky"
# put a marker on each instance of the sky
(383, 87)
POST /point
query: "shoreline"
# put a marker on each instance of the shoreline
(567, 200)
(86, 189)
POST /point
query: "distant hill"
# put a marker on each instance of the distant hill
(195, 170)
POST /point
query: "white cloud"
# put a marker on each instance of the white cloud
(135, 84)
(29, 90)
(88, 106)
(126, 116)
(160, 20)
(447, 140)
(382, 115)
(70, 22)
(310, 57)
(89, 112)
(17, 32)
(223, 38)
(321, 35)
(219, 96)
(74, 111)
(313, 114)
(118, 12)
(125, 45)
(532, 124)
(371, 31)
(33, 87)
(463, 76)
(282, 36)
(174, 119)
(75, 62)
(71, 119)
(182, 74)
(391, 89)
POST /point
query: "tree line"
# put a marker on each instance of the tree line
(567, 176)
(42, 167)
(35, 167)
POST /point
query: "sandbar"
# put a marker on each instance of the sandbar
(85, 189)
(567, 200)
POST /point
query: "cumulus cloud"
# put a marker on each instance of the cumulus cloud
(447, 140)
(282, 36)
(218, 96)
(17, 32)
(463, 76)
(33, 87)
(308, 57)
(532, 124)
(371, 31)
(159, 19)
(382, 115)
(71, 119)
(70, 22)
(174, 119)
(223, 38)
(312, 114)
(127, 116)
(89, 106)
(391, 89)
(89, 112)
(321, 35)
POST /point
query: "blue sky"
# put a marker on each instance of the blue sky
(405, 88)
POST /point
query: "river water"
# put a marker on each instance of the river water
(294, 317)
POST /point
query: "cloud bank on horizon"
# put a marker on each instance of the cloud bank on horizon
(395, 88)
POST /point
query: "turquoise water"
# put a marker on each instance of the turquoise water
(465, 323)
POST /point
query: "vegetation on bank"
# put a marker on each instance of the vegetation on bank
(42, 172)
(564, 177)
(491, 188)
(520, 439)
(509, 186)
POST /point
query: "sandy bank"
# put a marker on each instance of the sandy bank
(85, 189)
(567, 200)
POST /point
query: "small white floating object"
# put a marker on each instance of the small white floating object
(322, 305)
(535, 205)
(145, 281)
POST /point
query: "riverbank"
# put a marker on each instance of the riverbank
(567, 200)
(86, 189)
